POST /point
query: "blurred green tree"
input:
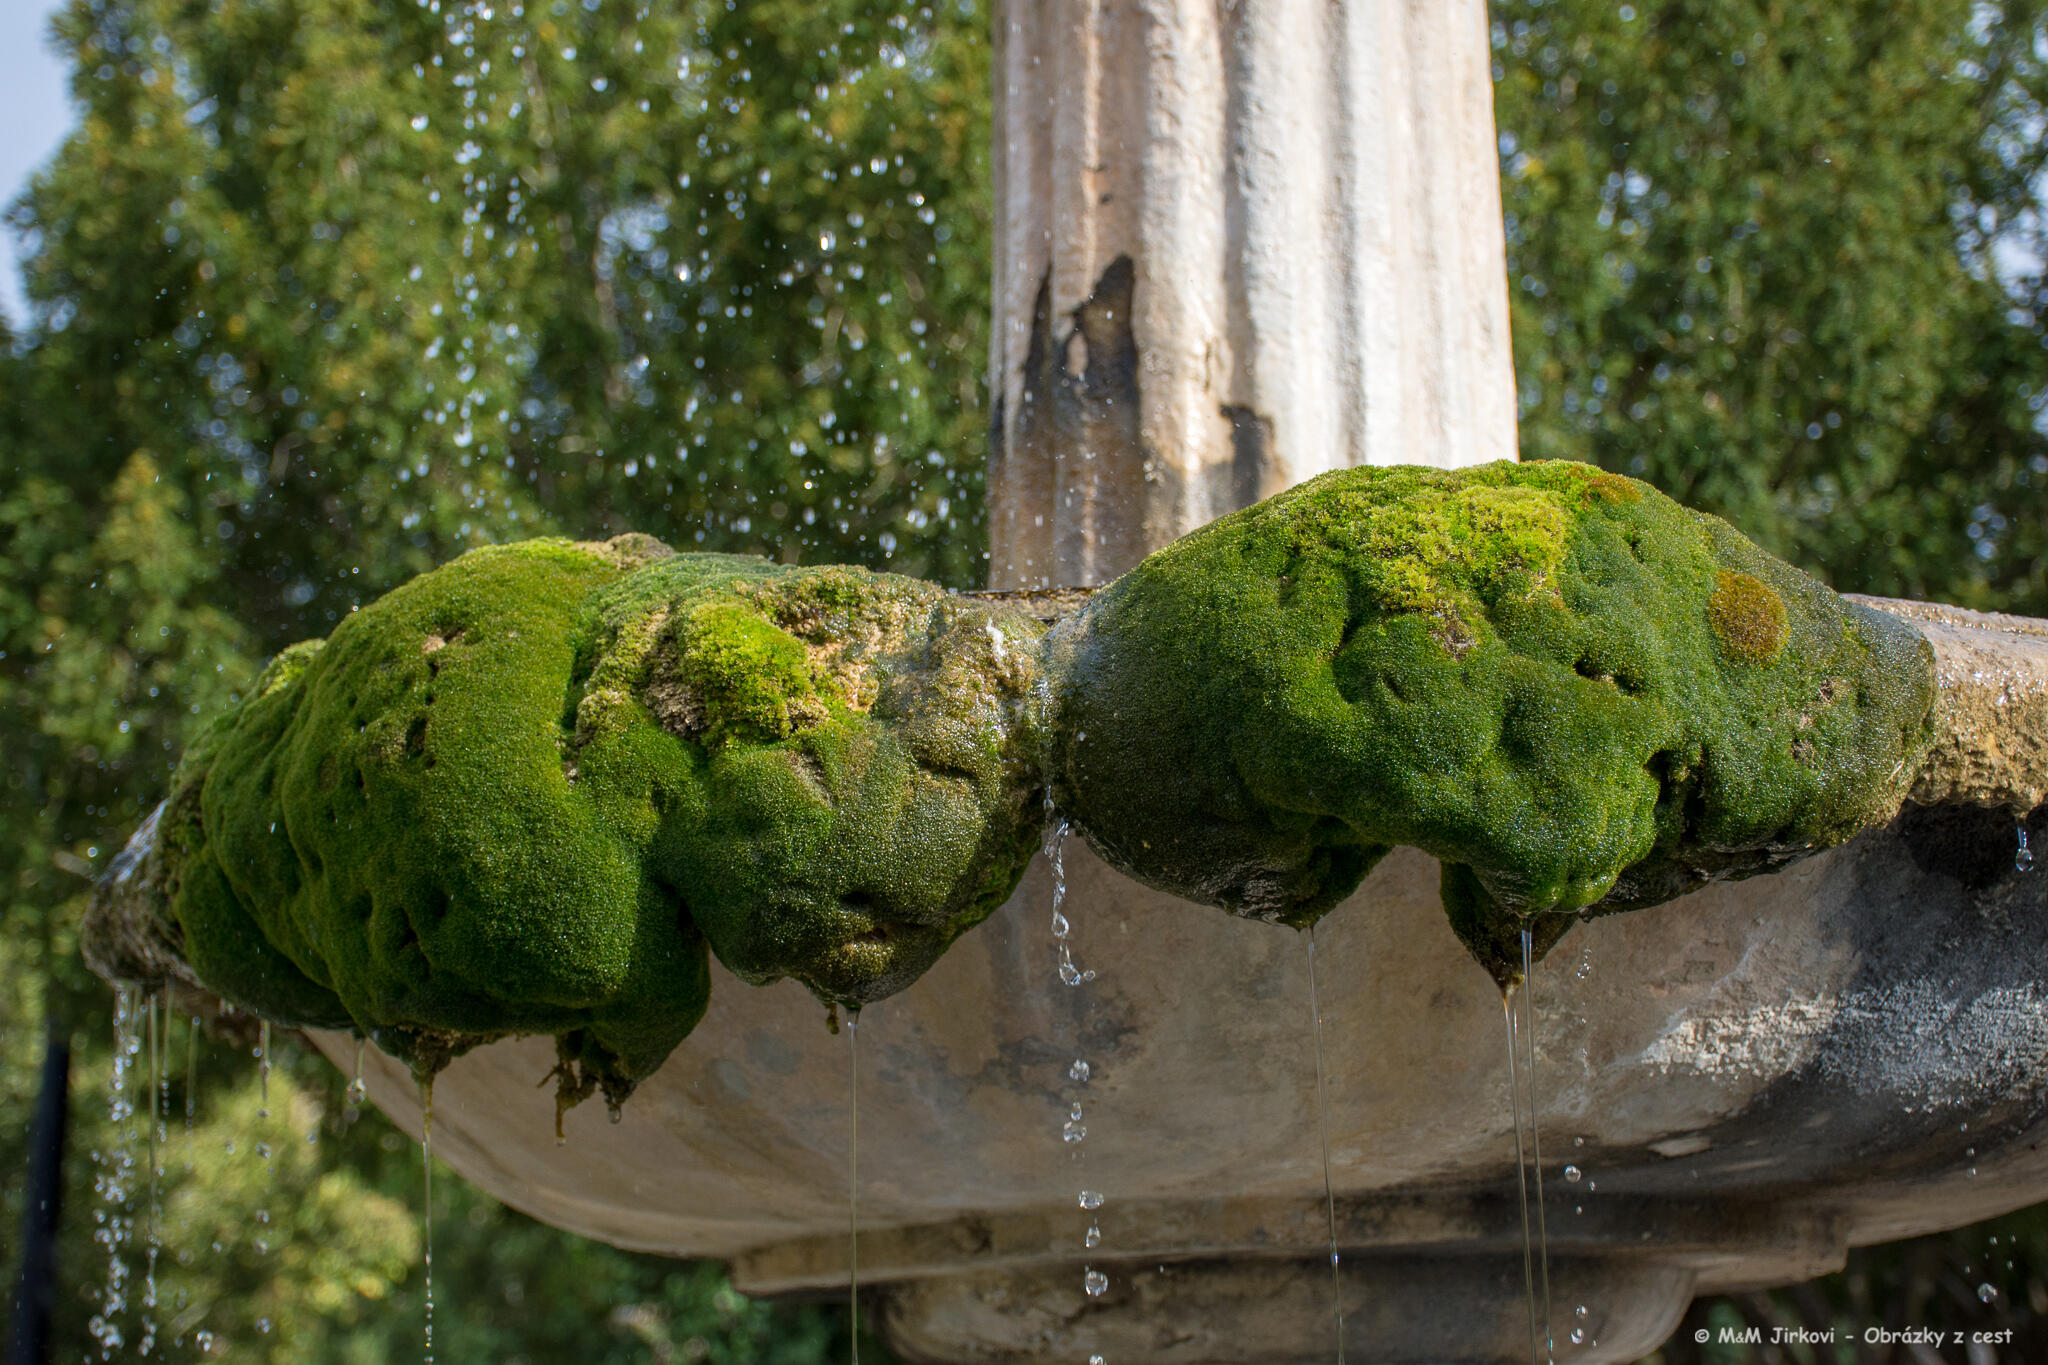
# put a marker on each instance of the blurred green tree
(1783, 260)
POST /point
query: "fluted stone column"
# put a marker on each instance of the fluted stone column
(1237, 245)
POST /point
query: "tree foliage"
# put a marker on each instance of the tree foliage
(1783, 261)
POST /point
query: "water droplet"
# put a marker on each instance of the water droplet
(826, 241)
(263, 1325)
(1095, 1282)
(1094, 1238)
(1078, 1071)
(419, 125)
(1060, 927)
(1986, 1293)
(1573, 1174)
(2023, 858)
(1091, 1199)
(1580, 1311)
(203, 1340)
(358, 1091)
(1097, 1360)
(1072, 1131)
(1578, 1336)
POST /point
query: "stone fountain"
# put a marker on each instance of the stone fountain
(1239, 246)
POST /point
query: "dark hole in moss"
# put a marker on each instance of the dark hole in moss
(416, 736)
(1619, 675)
(1393, 685)
(433, 667)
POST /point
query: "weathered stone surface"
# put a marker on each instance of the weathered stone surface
(1991, 712)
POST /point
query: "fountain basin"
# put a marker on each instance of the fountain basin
(1748, 1080)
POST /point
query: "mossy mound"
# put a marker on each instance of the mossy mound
(521, 793)
(1575, 693)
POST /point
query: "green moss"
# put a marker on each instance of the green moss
(518, 795)
(1539, 673)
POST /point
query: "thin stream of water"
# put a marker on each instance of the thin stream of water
(1536, 1138)
(1507, 1014)
(358, 1089)
(263, 1069)
(853, 1181)
(110, 1184)
(191, 1072)
(1315, 1010)
(1073, 1131)
(427, 1211)
(155, 1007)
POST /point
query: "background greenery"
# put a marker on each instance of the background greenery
(326, 291)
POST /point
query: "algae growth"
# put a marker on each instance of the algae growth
(524, 792)
(1576, 694)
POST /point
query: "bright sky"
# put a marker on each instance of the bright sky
(35, 114)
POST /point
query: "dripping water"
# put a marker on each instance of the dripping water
(1507, 1014)
(263, 1069)
(191, 1071)
(427, 1209)
(110, 1184)
(358, 1091)
(1536, 1136)
(155, 1008)
(2023, 857)
(1315, 1010)
(1073, 1131)
(853, 1181)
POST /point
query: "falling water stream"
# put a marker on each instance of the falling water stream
(1073, 1128)
(853, 1181)
(1536, 1138)
(111, 1183)
(1521, 1038)
(427, 1203)
(155, 1009)
(1315, 1009)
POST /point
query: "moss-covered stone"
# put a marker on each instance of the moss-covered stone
(1575, 693)
(520, 793)
(524, 793)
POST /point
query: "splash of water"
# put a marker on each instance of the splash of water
(1315, 1009)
